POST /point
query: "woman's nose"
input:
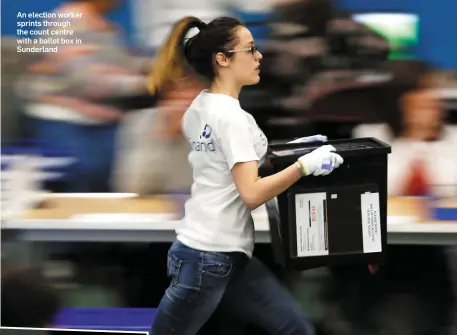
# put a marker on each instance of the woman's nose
(258, 55)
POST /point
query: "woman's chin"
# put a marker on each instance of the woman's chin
(254, 80)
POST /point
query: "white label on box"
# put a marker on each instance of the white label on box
(371, 222)
(310, 218)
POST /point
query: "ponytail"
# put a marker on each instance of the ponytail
(171, 63)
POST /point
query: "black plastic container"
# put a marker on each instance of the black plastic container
(336, 219)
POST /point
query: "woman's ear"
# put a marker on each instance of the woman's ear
(222, 59)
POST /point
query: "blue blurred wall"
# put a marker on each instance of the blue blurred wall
(438, 21)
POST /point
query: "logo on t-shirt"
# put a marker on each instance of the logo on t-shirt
(205, 142)
(206, 132)
(263, 138)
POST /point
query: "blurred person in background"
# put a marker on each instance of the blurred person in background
(152, 151)
(211, 264)
(13, 65)
(414, 288)
(77, 96)
(321, 71)
(424, 149)
(27, 299)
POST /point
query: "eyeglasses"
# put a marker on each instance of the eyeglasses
(252, 49)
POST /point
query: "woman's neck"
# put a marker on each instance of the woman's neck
(220, 87)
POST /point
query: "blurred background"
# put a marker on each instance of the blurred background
(95, 172)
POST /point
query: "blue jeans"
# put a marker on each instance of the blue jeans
(202, 282)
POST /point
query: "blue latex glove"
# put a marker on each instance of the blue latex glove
(309, 139)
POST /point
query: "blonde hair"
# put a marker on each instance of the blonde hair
(171, 63)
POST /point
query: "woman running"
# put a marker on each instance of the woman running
(211, 264)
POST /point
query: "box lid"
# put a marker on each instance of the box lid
(346, 148)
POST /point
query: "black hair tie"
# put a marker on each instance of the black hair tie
(201, 25)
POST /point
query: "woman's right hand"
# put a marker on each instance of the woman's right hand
(321, 161)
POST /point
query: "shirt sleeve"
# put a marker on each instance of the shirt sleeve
(236, 141)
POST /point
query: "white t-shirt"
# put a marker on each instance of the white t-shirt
(220, 135)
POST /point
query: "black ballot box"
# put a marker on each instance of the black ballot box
(336, 219)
